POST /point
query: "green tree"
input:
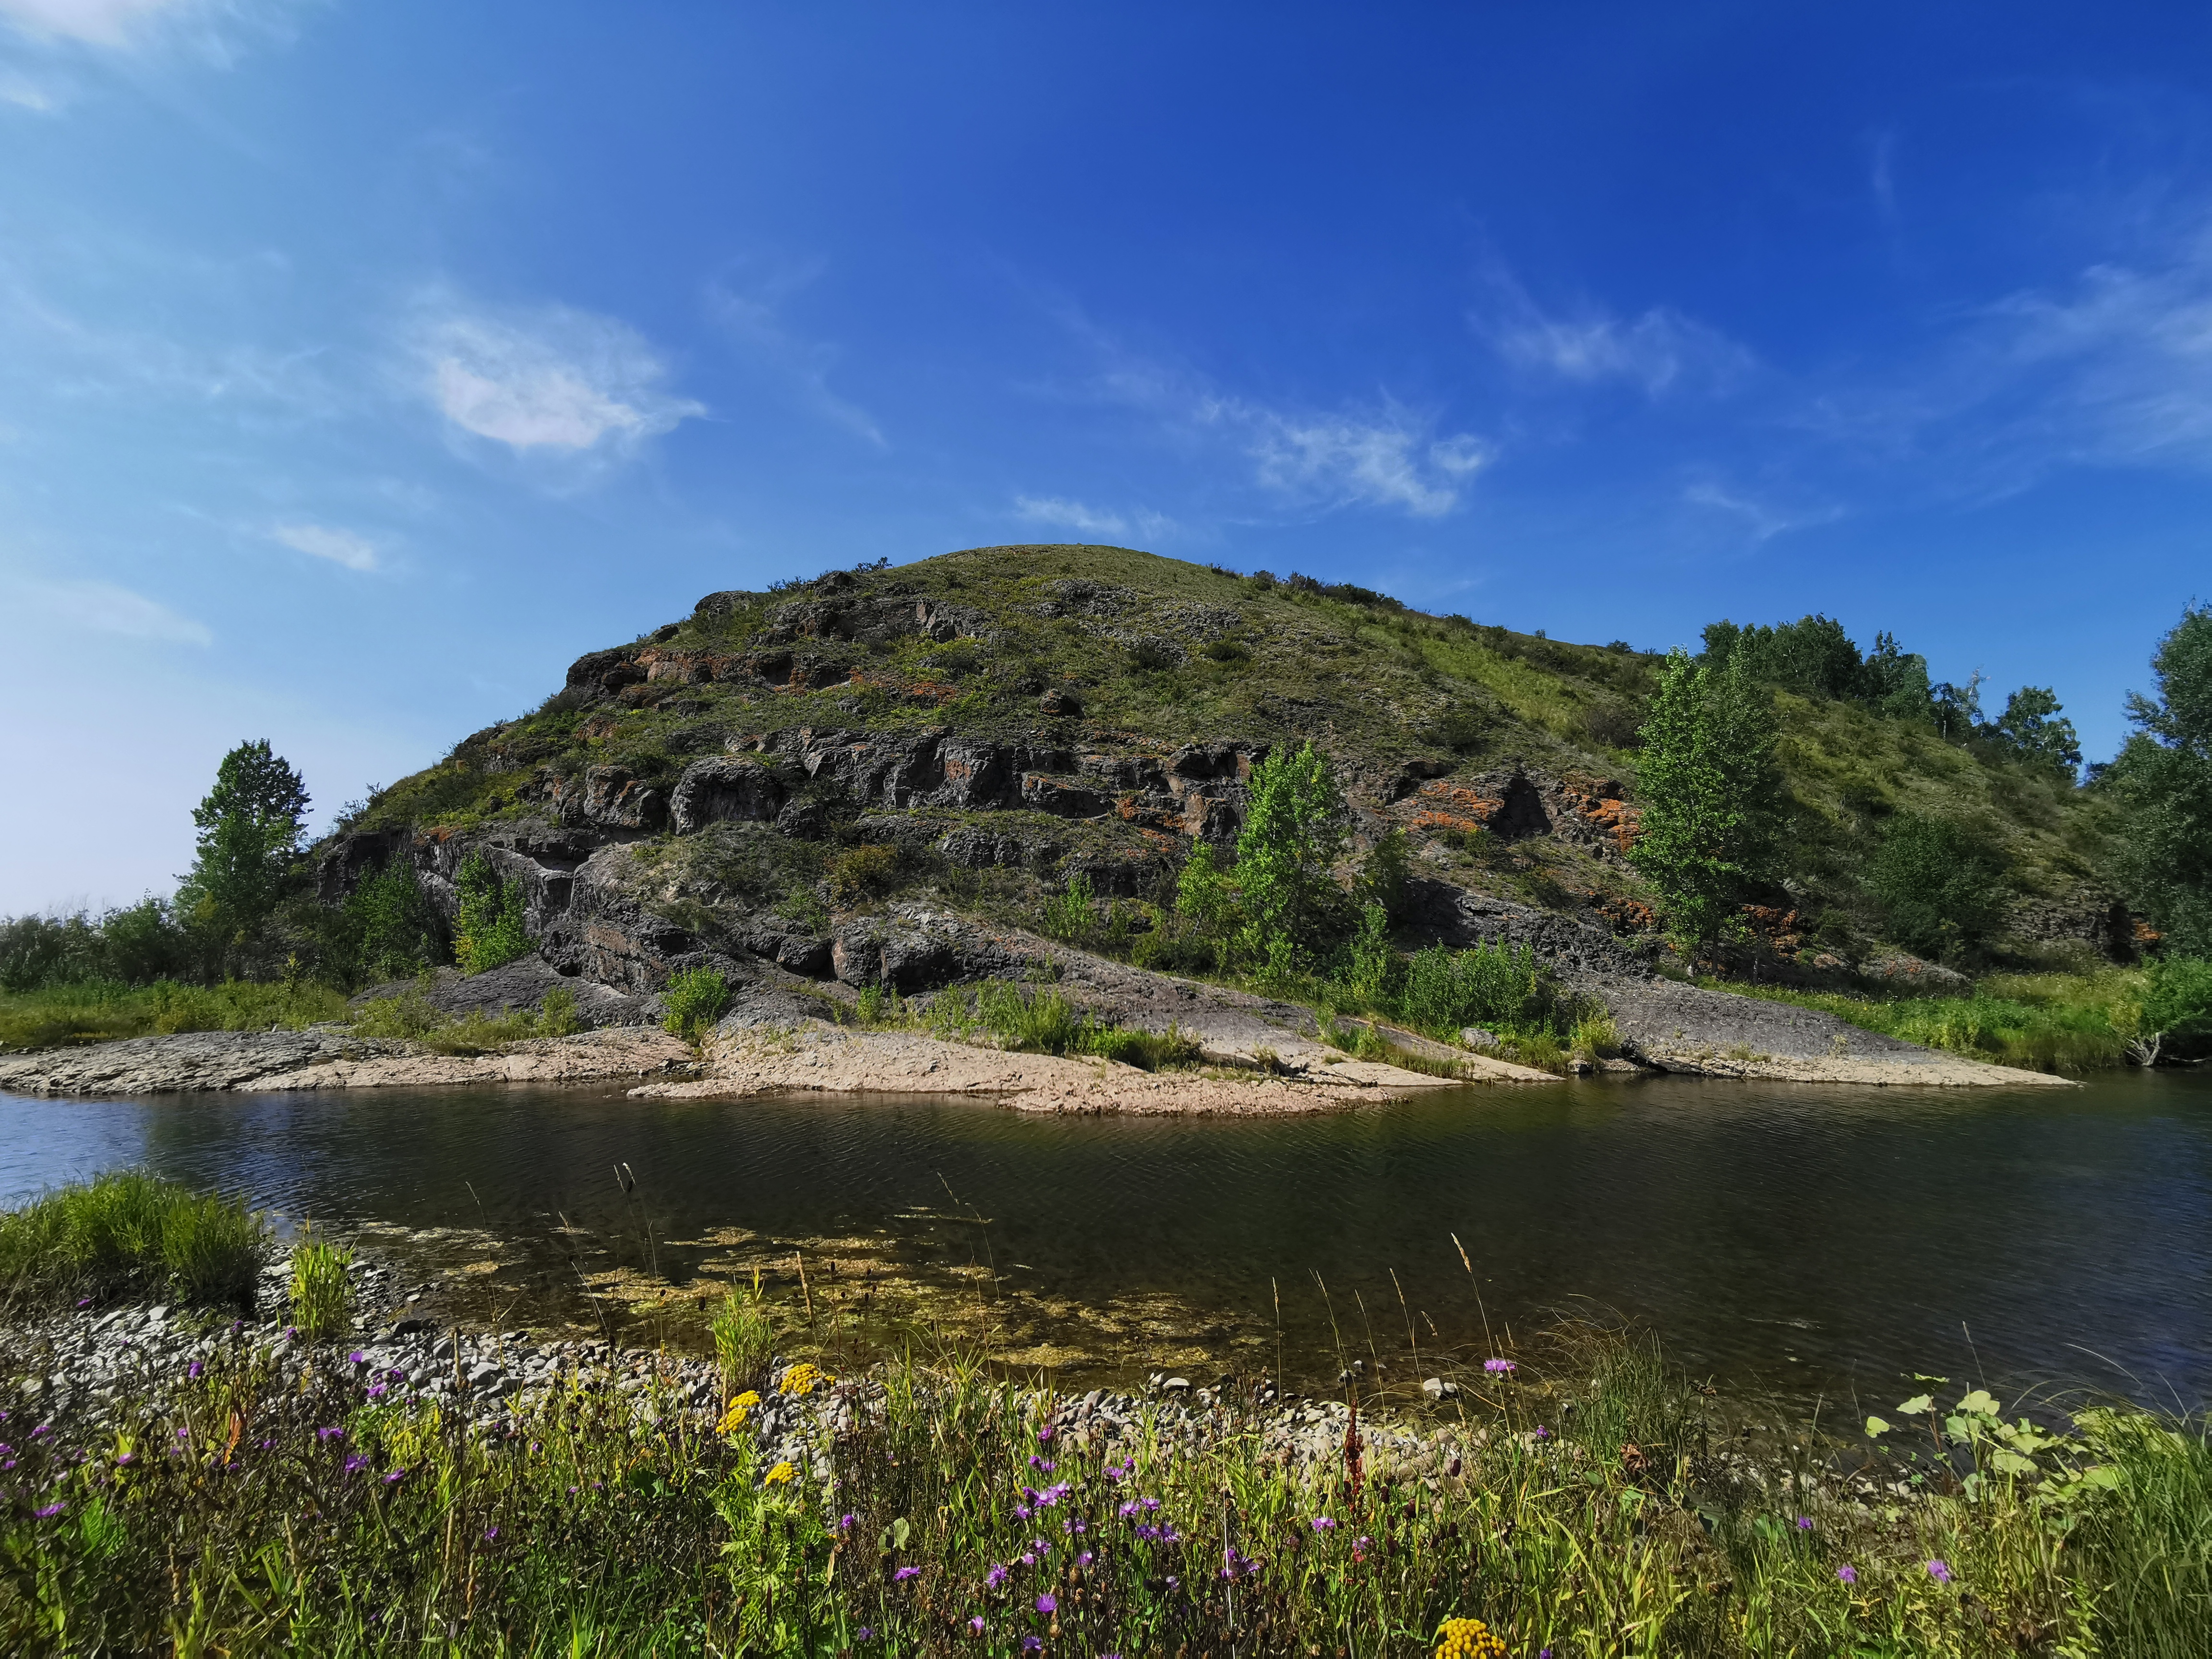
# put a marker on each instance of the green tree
(2034, 730)
(1712, 793)
(1295, 829)
(388, 930)
(489, 932)
(2163, 778)
(250, 825)
(1938, 884)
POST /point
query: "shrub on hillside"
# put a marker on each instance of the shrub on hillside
(2177, 1004)
(693, 1000)
(1938, 884)
(489, 932)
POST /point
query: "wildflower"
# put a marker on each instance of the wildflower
(1940, 1571)
(996, 1577)
(1804, 1524)
(1468, 1638)
(1021, 1512)
(1044, 1463)
(1322, 1523)
(905, 1573)
(1044, 1435)
(50, 1511)
(803, 1379)
(1046, 1604)
(46, 1429)
(491, 1534)
(1500, 1367)
(1032, 1645)
(377, 1390)
(1029, 1558)
(1086, 1559)
(327, 1435)
(395, 1477)
(847, 1523)
(1127, 1508)
(867, 1634)
(740, 1408)
(781, 1474)
(84, 1302)
(1542, 1433)
(975, 1625)
(1848, 1573)
(291, 1333)
(195, 1370)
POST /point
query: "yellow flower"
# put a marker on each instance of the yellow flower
(787, 1470)
(1467, 1639)
(740, 1408)
(803, 1379)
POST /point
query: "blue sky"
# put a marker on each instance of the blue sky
(360, 366)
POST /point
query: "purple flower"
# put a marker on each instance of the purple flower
(905, 1573)
(291, 1333)
(1322, 1523)
(1128, 1509)
(1500, 1367)
(996, 1577)
(1804, 1524)
(395, 1375)
(491, 1534)
(1086, 1559)
(1044, 1435)
(376, 1390)
(355, 1359)
(395, 1477)
(356, 1464)
(847, 1523)
(1046, 1604)
(1029, 1558)
(1021, 1512)
(84, 1302)
(1542, 1433)
(975, 1625)
(1848, 1573)
(1032, 1645)
(125, 1458)
(46, 1429)
(50, 1511)
(865, 1633)
(330, 1434)
(1940, 1571)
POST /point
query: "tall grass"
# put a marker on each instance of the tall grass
(98, 1011)
(130, 1232)
(744, 1326)
(411, 1016)
(1038, 1019)
(321, 1296)
(2040, 1022)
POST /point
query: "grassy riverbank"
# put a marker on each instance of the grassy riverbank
(129, 1233)
(98, 1011)
(2040, 1022)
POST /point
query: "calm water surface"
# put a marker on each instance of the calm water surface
(1786, 1237)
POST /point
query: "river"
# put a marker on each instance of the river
(1797, 1239)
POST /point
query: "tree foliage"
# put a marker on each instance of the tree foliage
(1814, 658)
(2034, 731)
(1295, 829)
(1712, 792)
(250, 825)
(1938, 884)
(489, 931)
(2163, 778)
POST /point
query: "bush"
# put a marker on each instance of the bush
(693, 1000)
(129, 1233)
(393, 931)
(1072, 914)
(489, 931)
(744, 1326)
(2177, 1003)
(1493, 986)
(862, 873)
(410, 1016)
(1938, 884)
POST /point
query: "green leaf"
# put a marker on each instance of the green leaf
(1980, 1402)
(2011, 1462)
(1918, 1404)
(1877, 1427)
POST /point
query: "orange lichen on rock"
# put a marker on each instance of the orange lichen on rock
(1442, 804)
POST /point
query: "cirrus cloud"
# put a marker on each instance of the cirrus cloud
(102, 607)
(324, 542)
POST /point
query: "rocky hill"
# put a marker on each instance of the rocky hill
(867, 778)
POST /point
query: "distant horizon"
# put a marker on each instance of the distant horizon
(369, 364)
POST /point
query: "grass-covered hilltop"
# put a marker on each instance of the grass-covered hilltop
(852, 788)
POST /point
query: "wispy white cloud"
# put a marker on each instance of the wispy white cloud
(1387, 458)
(1659, 352)
(105, 608)
(752, 317)
(2113, 370)
(1090, 520)
(95, 22)
(209, 30)
(551, 380)
(1762, 520)
(324, 542)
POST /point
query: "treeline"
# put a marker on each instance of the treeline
(1815, 658)
(247, 910)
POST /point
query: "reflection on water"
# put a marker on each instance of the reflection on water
(1796, 1236)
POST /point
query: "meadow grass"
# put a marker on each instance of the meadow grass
(100, 1010)
(1583, 1512)
(2040, 1022)
(411, 1016)
(128, 1233)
